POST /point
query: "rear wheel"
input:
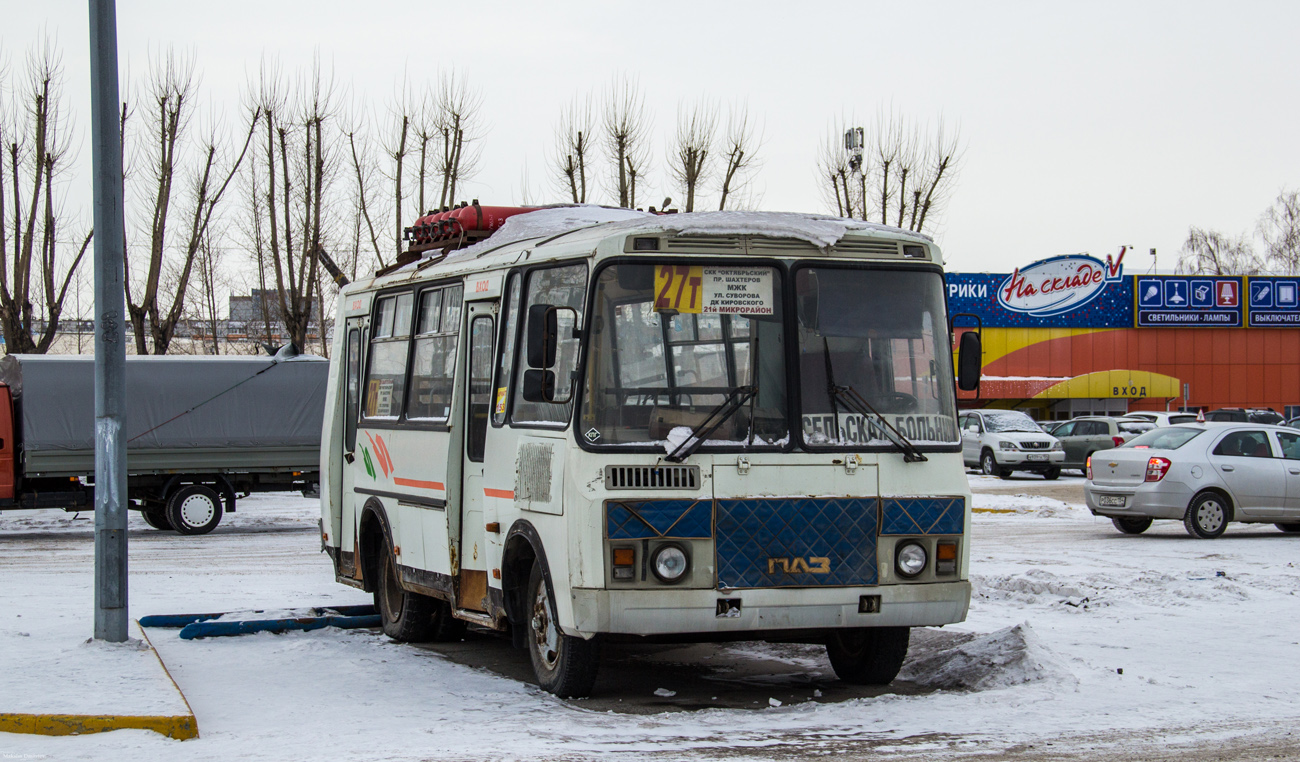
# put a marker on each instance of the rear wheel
(404, 616)
(1131, 525)
(156, 519)
(1289, 528)
(1207, 516)
(194, 509)
(869, 655)
(565, 665)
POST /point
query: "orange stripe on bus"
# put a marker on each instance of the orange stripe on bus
(509, 494)
(418, 483)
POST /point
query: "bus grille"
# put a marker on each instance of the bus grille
(652, 477)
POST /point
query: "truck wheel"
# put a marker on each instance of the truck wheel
(156, 519)
(868, 655)
(194, 509)
(405, 616)
(564, 665)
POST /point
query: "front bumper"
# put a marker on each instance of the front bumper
(1022, 459)
(1157, 500)
(685, 612)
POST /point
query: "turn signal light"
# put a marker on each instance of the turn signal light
(624, 563)
(1157, 468)
(945, 558)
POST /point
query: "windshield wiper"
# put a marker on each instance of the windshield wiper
(856, 403)
(736, 399)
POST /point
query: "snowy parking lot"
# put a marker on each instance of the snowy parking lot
(1081, 643)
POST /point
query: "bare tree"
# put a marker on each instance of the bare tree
(364, 171)
(573, 150)
(458, 120)
(1279, 227)
(740, 151)
(1209, 252)
(904, 174)
(34, 277)
(691, 153)
(625, 125)
(396, 148)
(171, 89)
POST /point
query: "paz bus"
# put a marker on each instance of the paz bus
(599, 426)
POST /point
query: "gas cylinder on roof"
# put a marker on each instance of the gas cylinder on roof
(477, 218)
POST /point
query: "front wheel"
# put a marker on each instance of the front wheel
(1052, 474)
(1207, 516)
(868, 655)
(1129, 525)
(1289, 528)
(565, 665)
(989, 465)
(194, 509)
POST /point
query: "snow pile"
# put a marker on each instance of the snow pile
(1030, 587)
(548, 222)
(1011, 656)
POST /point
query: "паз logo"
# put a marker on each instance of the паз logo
(1059, 284)
(814, 565)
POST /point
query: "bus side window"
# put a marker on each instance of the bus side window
(351, 411)
(433, 368)
(389, 345)
(563, 286)
(506, 353)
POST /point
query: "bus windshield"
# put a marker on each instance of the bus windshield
(880, 336)
(681, 351)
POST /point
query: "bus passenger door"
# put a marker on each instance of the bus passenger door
(472, 583)
(353, 346)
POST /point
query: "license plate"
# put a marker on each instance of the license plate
(1111, 501)
(1037, 456)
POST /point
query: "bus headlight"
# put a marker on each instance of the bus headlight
(669, 563)
(910, 559)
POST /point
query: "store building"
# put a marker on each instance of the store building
(1074, 335)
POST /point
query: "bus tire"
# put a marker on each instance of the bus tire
(565, 665)
(156, 519)
(194, 509)
(868, 655)
(403, 615)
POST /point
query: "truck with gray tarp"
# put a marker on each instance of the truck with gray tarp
(200, 433)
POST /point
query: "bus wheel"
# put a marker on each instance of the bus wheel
(868, 655)
(564, 665)
(194, 509)
(156, 519)
(404, 616)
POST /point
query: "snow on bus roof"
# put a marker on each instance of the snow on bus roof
(817, 229)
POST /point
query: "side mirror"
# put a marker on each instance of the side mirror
(539, 386)
(543, 335)
(970, 361)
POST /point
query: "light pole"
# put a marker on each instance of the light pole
(110, 329)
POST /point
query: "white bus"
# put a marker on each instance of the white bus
(606, 426)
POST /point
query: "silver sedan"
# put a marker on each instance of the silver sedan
(1205, 475)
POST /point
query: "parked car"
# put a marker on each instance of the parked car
(1002, 441)
(1293, 422)
(1085, 435)
(1205, 475)
(1163, 419)
(1243, 415)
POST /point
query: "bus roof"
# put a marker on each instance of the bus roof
(563, 228)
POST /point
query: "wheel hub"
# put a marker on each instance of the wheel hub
(197, 510)
(546, 637)
(1209, 516)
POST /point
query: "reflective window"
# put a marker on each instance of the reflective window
(560, 287)
(433, 368)
(1245, 444)
(480, 386)
(386, 379)
(506, 353)
(1290, 444)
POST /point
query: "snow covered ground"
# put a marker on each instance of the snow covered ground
(1080, 640)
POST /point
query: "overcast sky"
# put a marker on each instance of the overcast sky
(1086, 126)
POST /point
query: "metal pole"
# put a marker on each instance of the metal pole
(110, 329)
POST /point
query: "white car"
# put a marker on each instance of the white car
(1204, 475)
(1163, 419)
(1002, 441)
